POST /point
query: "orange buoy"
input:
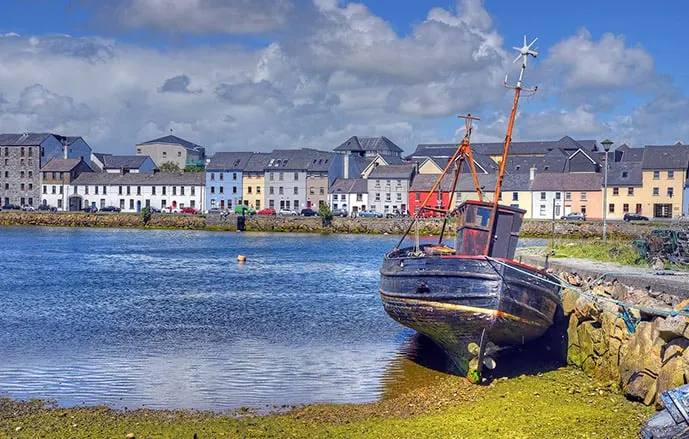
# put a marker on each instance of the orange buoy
(241, 258)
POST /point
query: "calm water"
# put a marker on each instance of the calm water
(169, 319)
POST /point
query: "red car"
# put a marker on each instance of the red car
(267, 211)
(189, 210)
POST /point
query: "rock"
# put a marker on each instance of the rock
(569, 299)
(639, 386)
(674, 348)
(638, 353)
(658, 264)
(574, 349)
(670, 376)
(591, 343)
(619, 292)
(670, 328)
(586, 309)
(130, 436)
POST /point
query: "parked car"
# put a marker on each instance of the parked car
(287, 212)
(47, 208)
(90, 209)
(574, 216)
(28, 208)
(340, 212)
(10, 206)
(267, 211)
(110, 209)
(240, 209)
(370, 214)
(189, 210)
(634, 217)
(308, 212)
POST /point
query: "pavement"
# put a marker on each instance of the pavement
(674, 282)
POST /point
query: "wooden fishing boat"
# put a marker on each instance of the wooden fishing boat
(473, 297)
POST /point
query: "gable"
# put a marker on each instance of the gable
(429, 166)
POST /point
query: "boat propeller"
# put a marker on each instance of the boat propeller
(479, 360)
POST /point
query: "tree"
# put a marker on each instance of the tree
(194, 168)
(326, 215)
(146, 215)
(169, 167)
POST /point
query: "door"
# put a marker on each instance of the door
(138, 206)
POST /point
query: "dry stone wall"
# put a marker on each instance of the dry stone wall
(642, 346)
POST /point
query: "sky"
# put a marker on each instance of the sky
(255, 75)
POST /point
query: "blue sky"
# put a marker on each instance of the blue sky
(263, 74)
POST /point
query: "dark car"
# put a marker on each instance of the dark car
(340, 212)
(10, 206)
(308, 212)
(48, 208)
(90, 209)
(634, 217)
(574, 216)
(110, 209)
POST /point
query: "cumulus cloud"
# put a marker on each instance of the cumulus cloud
(343, 72)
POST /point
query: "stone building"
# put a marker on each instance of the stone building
(173, 149)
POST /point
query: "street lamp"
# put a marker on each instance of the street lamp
(606, 145)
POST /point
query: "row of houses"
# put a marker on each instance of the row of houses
(546, 178)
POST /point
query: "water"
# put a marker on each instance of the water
(169, 319)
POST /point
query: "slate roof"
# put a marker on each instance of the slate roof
(425, 182)
(123, 161)
(665, 157)
(393, 171)
(555, 181)
(142, 179)
(257, 162)
(465, 183)
(174, 140)
(228, 160)
(349, 186)
(60, 165)
(516, 182)
(553, 161)
(625, 174)
(25, 139)
(633, 155)
(304, 159)
(363, 144)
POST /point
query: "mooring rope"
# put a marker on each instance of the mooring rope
(625, 315)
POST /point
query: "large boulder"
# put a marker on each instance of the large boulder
(670, 328)
(670, 376)
(569, 299)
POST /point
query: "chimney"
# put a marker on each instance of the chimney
(65, 148)
(346, 165)
(532, 172)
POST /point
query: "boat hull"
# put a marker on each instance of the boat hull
(453, 299)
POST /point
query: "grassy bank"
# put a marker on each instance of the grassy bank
(563, 403)
(621, 252)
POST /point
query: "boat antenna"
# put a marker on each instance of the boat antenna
(524, 52)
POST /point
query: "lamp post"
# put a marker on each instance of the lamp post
(606, 145)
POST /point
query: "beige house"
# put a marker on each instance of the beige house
(254, 184)
(173, 149)
(664, 173)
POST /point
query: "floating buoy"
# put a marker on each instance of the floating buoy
(241, 258)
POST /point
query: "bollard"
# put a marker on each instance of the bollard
(241, 223)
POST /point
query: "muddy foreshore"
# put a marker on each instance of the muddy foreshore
(257, 223)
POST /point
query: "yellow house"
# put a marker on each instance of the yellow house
(625, 189)
(254, 181)
(664, 171)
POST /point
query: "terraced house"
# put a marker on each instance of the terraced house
(23, 155)
(253, 179)
(224, 179)
(57, 177)
(388, 188)
(663, 177)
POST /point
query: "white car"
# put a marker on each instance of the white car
(287, 212)
(27, 207)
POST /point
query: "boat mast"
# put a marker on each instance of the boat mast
(524, 53)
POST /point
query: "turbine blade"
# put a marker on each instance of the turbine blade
(518, 49)
(517, 58)
(534, 40)
(524, 39)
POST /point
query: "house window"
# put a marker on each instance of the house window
(21, 162)
(179, 153)
(138, 190)
(417, 197)
(164, 154)
(21, 174)
(221, 189)
(611, 208)
(22, 153)
(119, 190)
(258, 189)
(234, 189)
(377, 183)
(656, 175)
(62, 190)
(213, 189)
(30, 187)
(271, 190)
(212, 176)
(558, 195)
(281, 190)
(129, 190)
(138, 150)
(670, 192)
(30, 154)
(75, 189)
(670, 175)
(248, 189)
(122, 203)
(95, 190)
(163, 204)
(615, 191)
(656, 191)
(181, 190)
(234, 176)
(59, 203)
(131, 204)
(54, 189)
(272, 176)
(21, 186)
(630, 191)
(296, 190)
(281, 176)
(193, 191)
(542, 195)
(568, 196)
(45, 188)
(164, 190)
(583, 196)
(541, 210)
(30, 199)
(387, 197)
(311, 191)
(377, 196)
(399, 196)
(105, 191)
(296, 176)
(174, 190)
(359, 197)
(625, 208)
(515, 196)
(153, 190)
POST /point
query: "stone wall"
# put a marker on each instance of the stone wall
(645, 359)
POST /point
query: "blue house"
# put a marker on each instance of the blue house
(224, 179)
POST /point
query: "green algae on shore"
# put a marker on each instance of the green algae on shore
(562, 403)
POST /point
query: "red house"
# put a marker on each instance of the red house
(420, 188)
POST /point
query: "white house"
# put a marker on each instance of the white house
(56, 179)
(121, 164)
(133, 191)
(349, 194)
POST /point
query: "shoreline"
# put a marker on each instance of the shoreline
(256, 223)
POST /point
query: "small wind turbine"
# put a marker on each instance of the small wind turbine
(524, 53)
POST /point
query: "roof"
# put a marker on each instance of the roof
(665, 157)
(349, 186)
(393, 171)
(425, 182)
(516, 182)
(362, 144)
(632, 154)
(625, 174)
(25, 139)
(555, 181)
(228, 160)
(123, 161)
(304, 159)
(142, 179)
(257, 162)
(60, 165)
(174, 140)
